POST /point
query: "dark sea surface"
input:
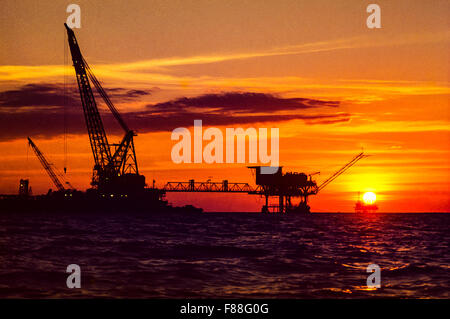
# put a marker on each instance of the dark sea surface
(223, 255)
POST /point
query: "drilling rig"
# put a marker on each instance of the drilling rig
(284, 186)
(115, 165)
(293, 185)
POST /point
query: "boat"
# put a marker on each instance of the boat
(362, 207)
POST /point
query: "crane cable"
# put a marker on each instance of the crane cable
(65, 102)
(28, 164)
(105, 97)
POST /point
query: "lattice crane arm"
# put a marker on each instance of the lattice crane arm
(48, 168)
(341, 170)
(96, 131)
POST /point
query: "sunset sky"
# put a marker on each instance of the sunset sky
(310, 68)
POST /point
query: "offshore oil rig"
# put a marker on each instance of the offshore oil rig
(117, 184)
(284, 187)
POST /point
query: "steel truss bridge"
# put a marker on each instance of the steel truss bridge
(210, 187)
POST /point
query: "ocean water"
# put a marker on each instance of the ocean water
(224, 255)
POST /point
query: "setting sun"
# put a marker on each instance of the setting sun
(369, 198)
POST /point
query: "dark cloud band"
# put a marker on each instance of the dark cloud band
(245, 102)
(38, 109)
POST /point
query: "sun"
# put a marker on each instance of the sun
(369, 198)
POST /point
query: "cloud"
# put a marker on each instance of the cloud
(35, 95)
(121, 94)
(45, 94)
(145, 122)
(246, 102)
(37, 109)
(49, 123)
(301, 48)
(121, 70)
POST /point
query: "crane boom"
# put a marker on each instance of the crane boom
(96, 131)
(48, 168)
(115, 170)
(341, 170)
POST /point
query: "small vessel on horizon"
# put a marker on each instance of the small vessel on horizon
(362, 206)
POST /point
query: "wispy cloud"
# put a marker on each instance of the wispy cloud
(304, 48)
(15, 72)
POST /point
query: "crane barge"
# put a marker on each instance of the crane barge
(116, 183)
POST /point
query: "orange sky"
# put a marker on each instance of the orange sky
(392, 84)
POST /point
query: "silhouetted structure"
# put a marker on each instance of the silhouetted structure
(361, 207)
(116, 182)
(114, 171)
(47, 166)
(24, 188)
(284, 186)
